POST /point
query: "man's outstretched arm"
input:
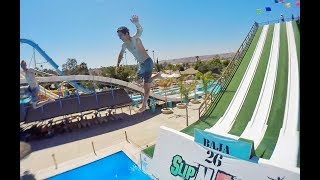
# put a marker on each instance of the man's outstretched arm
(120, 57)
(135, 21)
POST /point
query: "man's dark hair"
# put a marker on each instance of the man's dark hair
(123, 29)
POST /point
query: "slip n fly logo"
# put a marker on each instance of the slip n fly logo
(180, 167)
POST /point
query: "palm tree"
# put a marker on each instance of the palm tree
(195, 99)
(181, 87)
(181, 91)
(164, 85)
(185, 89)
(170, 67)
(205, 79)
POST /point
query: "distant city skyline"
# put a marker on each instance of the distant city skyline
(86, 30)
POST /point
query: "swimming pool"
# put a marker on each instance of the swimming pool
(176, 90)
(215, 91)
(116, 166)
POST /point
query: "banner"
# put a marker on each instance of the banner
(233, 147)
(258, 11)
(288, 5)
(278, 1)
(177, 156)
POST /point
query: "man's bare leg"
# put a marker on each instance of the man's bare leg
(153, 77)
(147, 87)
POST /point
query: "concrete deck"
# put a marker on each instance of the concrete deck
(74, 149)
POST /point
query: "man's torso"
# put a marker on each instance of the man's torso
(137, 50)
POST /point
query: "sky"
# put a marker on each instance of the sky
(86, 29)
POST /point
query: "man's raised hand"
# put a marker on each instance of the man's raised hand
(134, 19)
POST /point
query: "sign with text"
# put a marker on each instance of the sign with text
(177, 156)
(232, 147)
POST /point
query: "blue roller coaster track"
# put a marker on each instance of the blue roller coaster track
(53, 64)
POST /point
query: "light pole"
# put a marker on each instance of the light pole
(125, 56)
(153, 55)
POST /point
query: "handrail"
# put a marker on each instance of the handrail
(101, 79)
(227, 74)
(278, 21)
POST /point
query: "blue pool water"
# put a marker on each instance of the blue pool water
(117, 166)
(215, 91)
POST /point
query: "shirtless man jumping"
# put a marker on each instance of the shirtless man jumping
(135, 46)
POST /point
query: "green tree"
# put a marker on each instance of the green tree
(225, 62)
(87, 84)
(170, 67)
(205, 79)
(125, 73)
(82, 69)
(164, 85)
(215, 66)
(158, 67)
(70, 67)
(197, 65)
(216, 57)
(108, 72)
(186, 65)
(185, 89)
(50, 71)
(203, 68)
(164, 65)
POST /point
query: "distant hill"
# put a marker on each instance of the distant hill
(192, 59)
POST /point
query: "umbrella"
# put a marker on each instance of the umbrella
(189, 71)
(25, 149)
